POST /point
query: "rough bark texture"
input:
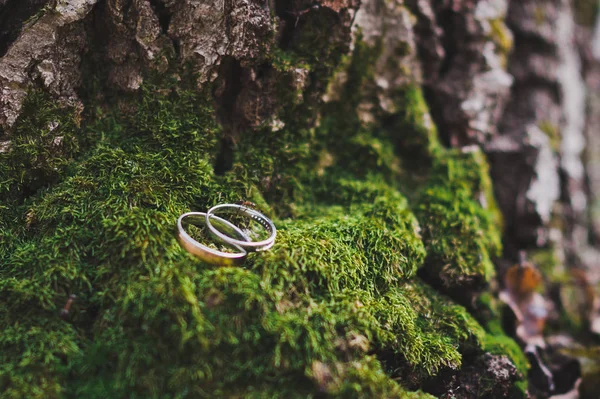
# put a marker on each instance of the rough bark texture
(408, 152)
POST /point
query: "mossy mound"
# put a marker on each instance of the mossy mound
(313, 315)
(42, 145)
(461, 224)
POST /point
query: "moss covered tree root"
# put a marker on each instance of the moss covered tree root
(336, 307)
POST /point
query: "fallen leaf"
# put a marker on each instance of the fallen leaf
(522, 279)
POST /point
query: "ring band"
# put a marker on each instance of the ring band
(252, 214)
(207, 254)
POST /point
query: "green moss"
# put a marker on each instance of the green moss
(503, 345)
(364, 150)
(501, 36)
(358, 134)
(42, 143)
(150, 319)
(413, 131)
(286, 61)
(461, 224)
(315, 314)
(364, 379)
(553, 133)
(498, 343)
(326, 281)
(486, 301)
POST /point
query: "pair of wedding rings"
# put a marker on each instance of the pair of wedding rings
(226, 233)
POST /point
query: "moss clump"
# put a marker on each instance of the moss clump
(503, 345)
(330, 288)
(455, 204)
(358, 146)
(461, 224)
(364, 379)
(500, 344)
(42, 143)
(360, 137)
(408, 318)
(398, 250)
(152, 321)
(412, 130)
(113, 207)
(323, 312)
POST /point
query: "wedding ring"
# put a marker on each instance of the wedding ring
(207, 254)
(253, 214)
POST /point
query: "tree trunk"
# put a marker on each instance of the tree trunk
(410, 153)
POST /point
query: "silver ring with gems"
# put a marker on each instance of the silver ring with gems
(252, 214)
